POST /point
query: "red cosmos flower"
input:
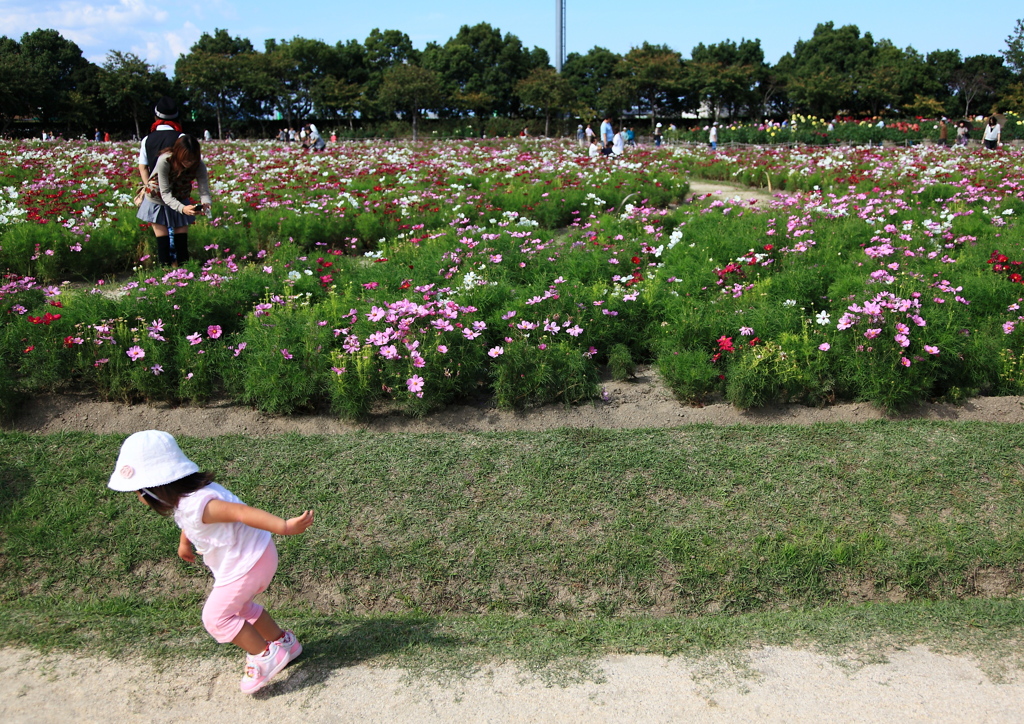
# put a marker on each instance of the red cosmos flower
(1015, 278)
(754, 341)
(768, 247)
(725, 344)
(635, 260)
(45, 319)
(29, 349)
(56, 303)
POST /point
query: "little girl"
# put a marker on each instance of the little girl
(233, 539)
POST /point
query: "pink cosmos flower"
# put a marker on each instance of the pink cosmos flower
(241, 346)
(872, 333)
(904, 361)
(194, 339)
(443, 349)
(930, 349)
(1008, 327)
(414, 383)
(824, 346)
(495, 352)
(156, 370)
(286, 354)
(213, 331)
(135, 353)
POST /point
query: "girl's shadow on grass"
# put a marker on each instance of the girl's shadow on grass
(337, 645)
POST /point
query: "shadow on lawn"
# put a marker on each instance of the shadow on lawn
(328, 646)
(15, 482)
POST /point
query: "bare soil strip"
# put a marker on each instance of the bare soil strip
(642, 403)
(764, 685)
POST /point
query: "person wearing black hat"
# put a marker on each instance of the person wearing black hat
(162, 134)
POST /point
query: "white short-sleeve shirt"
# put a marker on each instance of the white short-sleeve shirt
(230, 550)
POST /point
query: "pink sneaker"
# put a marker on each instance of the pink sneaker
(290, 644)
(260, 669)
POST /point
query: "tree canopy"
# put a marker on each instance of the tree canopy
(480, 72)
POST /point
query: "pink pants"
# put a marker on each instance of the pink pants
(231, 605)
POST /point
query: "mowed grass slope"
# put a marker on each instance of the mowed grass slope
(568, 541)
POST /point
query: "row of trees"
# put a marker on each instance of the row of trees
(481, 73)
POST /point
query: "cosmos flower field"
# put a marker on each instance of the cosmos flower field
(413, 276)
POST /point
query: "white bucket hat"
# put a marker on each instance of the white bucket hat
(149, 459)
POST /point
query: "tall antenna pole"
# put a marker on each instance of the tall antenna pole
(559, 34)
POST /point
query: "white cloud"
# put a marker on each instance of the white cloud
(145, 29)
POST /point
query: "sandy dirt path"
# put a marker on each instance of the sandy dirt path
(765, 685)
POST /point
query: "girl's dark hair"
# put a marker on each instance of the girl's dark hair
(184, 151)
(164, 499)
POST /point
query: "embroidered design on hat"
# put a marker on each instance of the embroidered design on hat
(126, 471)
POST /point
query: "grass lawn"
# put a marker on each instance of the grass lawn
(444, 549)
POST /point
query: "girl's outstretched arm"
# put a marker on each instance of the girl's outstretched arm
(221, 511)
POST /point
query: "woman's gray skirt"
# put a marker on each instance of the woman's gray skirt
(154, 213)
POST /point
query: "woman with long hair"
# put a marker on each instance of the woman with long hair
(168, 205)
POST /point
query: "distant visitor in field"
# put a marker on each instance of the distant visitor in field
(233, 539)
(316, 141)
(943, 132)
(993, 134)
(595, 149)
(713, 136)
(963, 130)
(657, 135)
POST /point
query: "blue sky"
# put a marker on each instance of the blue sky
(159, 32)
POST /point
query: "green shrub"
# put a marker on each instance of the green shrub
(524, 375)
(284, 362)
(689, 373)
(621, 363)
